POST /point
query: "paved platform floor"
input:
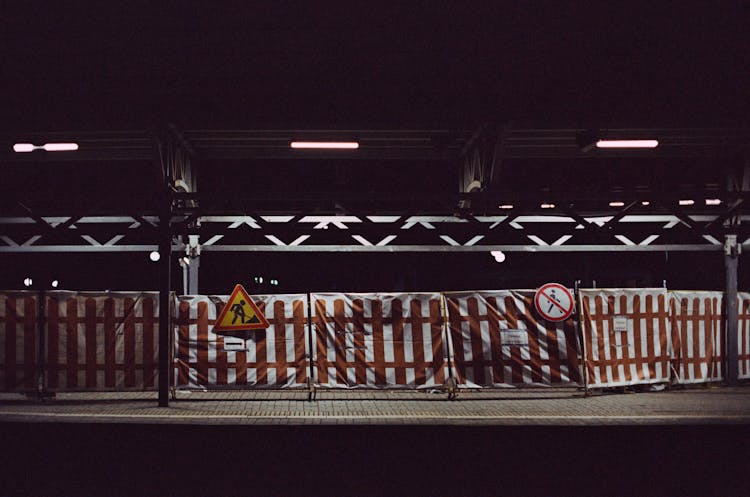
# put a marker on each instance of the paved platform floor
(702, 405)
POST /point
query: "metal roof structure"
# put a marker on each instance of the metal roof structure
(397, 192)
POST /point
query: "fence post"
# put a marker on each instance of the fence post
(582, 338)
(731, 254)
(40, 320)
(311, 343)
(165, 253)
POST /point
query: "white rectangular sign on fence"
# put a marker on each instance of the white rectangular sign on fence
(514, 337)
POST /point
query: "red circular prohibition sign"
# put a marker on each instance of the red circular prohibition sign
(554, 302)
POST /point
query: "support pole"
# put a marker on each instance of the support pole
(731, 256)
(165, 256)
(41, 325)
(194, 253)
(190, 275)
(581, 338)
(192, 282)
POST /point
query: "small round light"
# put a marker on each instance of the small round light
(498, 255)
(28, 282)
(55, 283)
(154, 256)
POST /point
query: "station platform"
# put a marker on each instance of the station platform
(530, 407)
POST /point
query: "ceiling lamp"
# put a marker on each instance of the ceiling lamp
(47, 147)
(325, 145)
(592, 138)
(627, 143)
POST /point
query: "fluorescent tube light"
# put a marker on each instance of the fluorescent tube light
(60, 147)
(617, 204)
(48, 147)
(23, 147)
(627, 143)
(325, 145)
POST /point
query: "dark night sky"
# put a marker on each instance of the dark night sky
(367, 63)
(75, 65)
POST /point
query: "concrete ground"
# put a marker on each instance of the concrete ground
(511, 442)
(532, 407)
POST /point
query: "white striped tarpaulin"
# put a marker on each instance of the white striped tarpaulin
(379, 340)
(743, 335)
(277, 357)
(697, 336)
(18, 341)
(627, 337)
(101, 341)
(498, 339)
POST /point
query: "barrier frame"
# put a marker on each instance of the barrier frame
(212, 305)
(536, 324)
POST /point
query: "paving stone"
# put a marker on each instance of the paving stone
(505, 407)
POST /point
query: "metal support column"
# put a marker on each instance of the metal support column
(192, 284)
(190, 275)
(41, 334)
(165, 256)
(194, 255)
(731, 255)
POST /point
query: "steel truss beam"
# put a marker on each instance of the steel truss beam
(371, 233)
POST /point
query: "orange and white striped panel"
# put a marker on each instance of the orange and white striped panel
(102, 341)
(627, 338)
(277, 357)
(743, 335)
(697, 335)
(379, 340)
(18, 341)
(499, 340)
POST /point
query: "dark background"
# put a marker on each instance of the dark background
(303, 272)
(250, 64)
(170, 459)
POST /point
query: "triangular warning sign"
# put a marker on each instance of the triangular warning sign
(240, 314)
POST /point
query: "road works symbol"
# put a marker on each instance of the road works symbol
(240, 314)
(554, 302)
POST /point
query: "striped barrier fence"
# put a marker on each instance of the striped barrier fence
(498, 339)
(18, 341)
(277, 357)
(379, 340)
(626, 336)
(101, 341)
(697, 336)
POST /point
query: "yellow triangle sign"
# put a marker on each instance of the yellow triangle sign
(240, 314)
